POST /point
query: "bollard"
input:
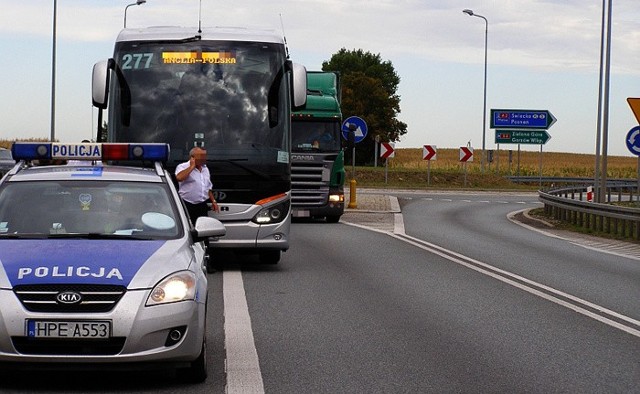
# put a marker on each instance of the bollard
(352, 195)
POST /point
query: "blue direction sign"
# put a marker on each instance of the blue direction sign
(633, 140)
(359, 126)
(521, 119)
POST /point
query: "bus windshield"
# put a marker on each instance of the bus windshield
(229, 97)
(224, 96)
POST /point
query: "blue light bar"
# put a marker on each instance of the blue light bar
(31, 150)
(89, 151)
(154, 152)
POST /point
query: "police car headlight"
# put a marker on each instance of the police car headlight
(177, 287)
(274, 214)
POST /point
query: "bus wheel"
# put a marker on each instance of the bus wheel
(270, 257)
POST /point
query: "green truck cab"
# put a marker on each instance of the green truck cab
(317, 158)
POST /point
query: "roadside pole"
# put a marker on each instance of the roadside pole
(354, 130)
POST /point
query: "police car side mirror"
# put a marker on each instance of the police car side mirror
(207, 227)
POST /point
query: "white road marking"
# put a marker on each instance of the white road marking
(566, 300)
(242, 366)
(398, 221)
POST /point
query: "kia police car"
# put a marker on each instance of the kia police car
(99, 264)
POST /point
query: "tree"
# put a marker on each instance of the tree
(369, 88)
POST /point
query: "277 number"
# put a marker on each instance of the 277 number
(136, 61)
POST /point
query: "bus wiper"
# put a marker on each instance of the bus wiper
(24, 235)
(244, 167)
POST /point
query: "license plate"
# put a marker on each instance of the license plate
(300, 213)
(68, 329)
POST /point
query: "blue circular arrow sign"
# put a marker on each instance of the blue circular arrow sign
(360, 128)
(633, 140)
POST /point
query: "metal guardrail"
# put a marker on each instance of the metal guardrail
(565, 180)
(570, 205)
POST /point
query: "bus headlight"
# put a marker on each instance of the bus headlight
(176, 287)
(274, 214)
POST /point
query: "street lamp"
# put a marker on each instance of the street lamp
(53, 74)
(138, 2)
(484, 108)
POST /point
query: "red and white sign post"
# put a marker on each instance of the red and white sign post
(466, 155)
(387, 151)
(429, 152)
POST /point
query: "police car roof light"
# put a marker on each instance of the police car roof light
(30, 151)
(123, 151)
(91, 151)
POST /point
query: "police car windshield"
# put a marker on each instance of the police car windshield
(87, 209)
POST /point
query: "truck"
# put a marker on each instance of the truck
(317, 160)
(227, 90)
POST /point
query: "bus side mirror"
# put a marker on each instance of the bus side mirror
(100, 84)
(299, 85)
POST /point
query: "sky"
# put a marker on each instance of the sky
(541, 55)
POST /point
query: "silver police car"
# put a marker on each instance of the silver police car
(99, 263)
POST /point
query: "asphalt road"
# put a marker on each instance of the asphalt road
(462, 300)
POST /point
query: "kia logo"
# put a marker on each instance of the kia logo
(69, 297)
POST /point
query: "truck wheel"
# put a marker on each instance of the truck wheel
(270, 257)
(333, 219)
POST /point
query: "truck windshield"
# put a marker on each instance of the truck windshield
(229, 97)
(315, 136)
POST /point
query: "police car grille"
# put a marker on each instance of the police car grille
(95, 298)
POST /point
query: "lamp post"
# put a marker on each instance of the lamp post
(53, 75)
(484, 107)
(138, 2)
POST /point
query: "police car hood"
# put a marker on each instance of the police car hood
(130, 263)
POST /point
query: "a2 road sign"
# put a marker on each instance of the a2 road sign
(634, 103)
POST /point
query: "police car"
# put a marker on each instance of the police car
(99, 263)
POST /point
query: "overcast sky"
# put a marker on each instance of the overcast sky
(542, 55)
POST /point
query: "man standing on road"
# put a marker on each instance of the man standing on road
(194, 184)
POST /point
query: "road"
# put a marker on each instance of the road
(463, 300)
